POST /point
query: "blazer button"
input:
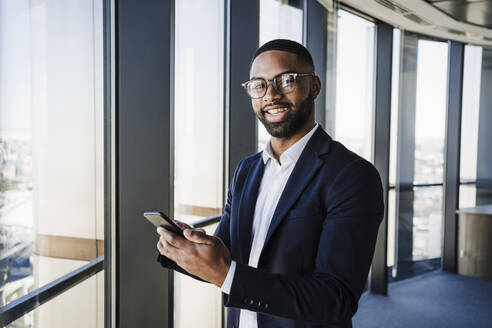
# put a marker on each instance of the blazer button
(249, 301)
(259, 304)
(264, 306)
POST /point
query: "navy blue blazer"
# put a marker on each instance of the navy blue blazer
(319, 246)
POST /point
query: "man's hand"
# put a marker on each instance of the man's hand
(198, 253)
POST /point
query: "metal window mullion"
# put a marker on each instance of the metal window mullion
(144, 177)
(241, 43)
(314, 38)
(452, 154)
(108, 7)
(382, 124)
(405, 147)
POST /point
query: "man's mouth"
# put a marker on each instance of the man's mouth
(274, 114)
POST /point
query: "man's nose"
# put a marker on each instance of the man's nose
(271, 93)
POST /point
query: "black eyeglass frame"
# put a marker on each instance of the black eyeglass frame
(274, 83)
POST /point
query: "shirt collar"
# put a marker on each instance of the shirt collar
(293, 152)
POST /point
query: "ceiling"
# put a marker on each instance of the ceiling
(477, 12)
(468, 21)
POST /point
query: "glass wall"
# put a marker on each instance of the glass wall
(354, 112)
(51, 152)
(74, 307)
(419, 89)
(198, 142)
(475, 161)
(472, 72)
(278, 19)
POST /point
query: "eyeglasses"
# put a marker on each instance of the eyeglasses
(283, 83)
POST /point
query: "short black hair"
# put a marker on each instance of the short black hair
(294, 47)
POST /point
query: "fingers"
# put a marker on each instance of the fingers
(199, 236)
(182, 225)
(168, 250)
(172, 238)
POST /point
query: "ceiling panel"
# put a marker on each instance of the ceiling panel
(477, 12)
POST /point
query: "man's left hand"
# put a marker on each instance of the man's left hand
(200, 254)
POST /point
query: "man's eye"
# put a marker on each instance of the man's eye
(257, 86)
(287, 80)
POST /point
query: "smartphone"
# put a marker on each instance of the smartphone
(160, 219)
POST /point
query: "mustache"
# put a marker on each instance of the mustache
(285, 104)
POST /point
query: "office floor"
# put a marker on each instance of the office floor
(434, 300)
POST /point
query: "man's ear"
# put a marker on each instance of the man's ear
(316, 86)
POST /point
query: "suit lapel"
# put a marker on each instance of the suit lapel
(306, 167)
(247, 207)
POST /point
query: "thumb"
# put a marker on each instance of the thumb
(198, 236)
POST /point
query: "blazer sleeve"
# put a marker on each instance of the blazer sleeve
(345, 250)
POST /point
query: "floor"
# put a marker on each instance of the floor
(435, 299)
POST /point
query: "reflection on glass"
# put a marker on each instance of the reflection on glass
(419, 86)
(427, 221)
(331, 70)
(82, 307)
(278, 20)
(390, 261)
(355, 83)
(472, 71)
(51, 147)
(484, 155)
(430, 111)
(198, 142)
(395, 86)
(468, 196)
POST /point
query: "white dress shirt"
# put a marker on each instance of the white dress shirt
(274, 179)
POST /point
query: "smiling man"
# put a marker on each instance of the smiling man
(297, 236)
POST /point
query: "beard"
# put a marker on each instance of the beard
(293, 123)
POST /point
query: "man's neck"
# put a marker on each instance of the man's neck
(280, 145)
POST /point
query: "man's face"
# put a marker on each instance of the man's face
(284, 115)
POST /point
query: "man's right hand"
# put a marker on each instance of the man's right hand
(161, 244)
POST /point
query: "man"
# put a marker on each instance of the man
(297, 236)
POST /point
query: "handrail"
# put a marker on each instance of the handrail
(25, 304)
(484, 183)
(207, 221)
(410, 186)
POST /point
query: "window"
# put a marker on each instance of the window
(354, 111)
(198, 142)
(51, 152)
(475, 163)
(419, 89)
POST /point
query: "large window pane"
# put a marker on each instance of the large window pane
(198, 142)
(51, 146)
(416, 149)
(278, 19)
(355, 83)
(430, 111)
(427, 221)
(77, 307)
(472, 70)
(476, 161)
